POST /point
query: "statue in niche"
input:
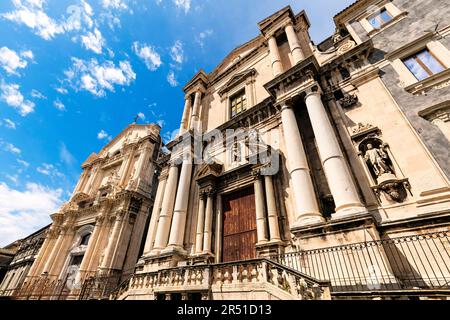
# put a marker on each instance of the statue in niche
(113, 177)
(237, 153)
(378, 159)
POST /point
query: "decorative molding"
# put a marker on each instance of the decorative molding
(348, 101)
(236, 80)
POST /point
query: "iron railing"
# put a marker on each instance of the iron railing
(417, 262)
(94, 286)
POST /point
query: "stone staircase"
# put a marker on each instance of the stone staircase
(259, 279)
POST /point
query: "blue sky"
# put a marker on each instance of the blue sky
(74, 73)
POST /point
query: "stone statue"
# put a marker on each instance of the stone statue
(378, 159)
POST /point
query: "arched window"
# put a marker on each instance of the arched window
(85, 239)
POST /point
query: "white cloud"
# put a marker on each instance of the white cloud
(23, 162)
(11, 95)
(161, 122)
(177, 52)
(200, 38)
(147, 53)
(23, 212)
(37, 95)
(31, 14)
(98, 78)
(11, 61)
(183, 4)
(141, 115)
(59, 105)
(61, 90)
(114, 4)
(79, 17)
(9, 124)
(14, 179)
(10, 147)
(66, 156)
(49, 170)
(103, 135)
(93, 41)
(171, 79)
(27, 54)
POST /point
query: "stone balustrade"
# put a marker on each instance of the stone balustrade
(261, 273)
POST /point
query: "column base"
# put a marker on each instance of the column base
(174, 250)
(308, 219)
(349, 210)
(203, 258)
(270, 248)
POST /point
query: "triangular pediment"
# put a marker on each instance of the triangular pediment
(237, 79)
(211, 170)
(237, 54)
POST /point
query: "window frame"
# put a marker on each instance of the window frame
(379, 19)
(238, 95)
(415, 56)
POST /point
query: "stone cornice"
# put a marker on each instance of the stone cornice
(307, 68)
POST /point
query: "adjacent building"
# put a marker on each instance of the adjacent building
(95, 238)
(311, 171)
(22, 261)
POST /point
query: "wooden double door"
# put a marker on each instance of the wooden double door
(239, 226)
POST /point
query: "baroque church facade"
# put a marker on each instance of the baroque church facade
(354, 198)
(300, 171)
(95, 239)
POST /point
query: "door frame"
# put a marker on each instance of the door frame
(219, 218)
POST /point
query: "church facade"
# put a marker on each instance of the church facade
(95, 239)
(306, 171)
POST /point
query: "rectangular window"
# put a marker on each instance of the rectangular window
(380, 19)
(423, 64)
(238, 103)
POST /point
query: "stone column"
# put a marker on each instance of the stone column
(219, 218)
(165, 218)
(96, 252)
(84, 267)
(41, 257)
(272, 212)
(304, 195)
(51, 258)
(80, 183)
(294, 43)
(88, 184)
(195, 118)
(333, 161)
(277, 66)
(261, 223)
(155, 216)
(200, 224)
(143, 159)
(207, 234)
(181, 205)
(107, 258)
(186, 114)
(62, 251)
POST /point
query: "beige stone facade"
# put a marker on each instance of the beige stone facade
(356, 198)
(94, 240)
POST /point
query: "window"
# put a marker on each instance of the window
(380, 18)
(238, 103)
(423, 65)
(85, 239)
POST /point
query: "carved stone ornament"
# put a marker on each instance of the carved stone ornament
(361, 128)
(348, 101)
(395, 189)
(346, 46)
